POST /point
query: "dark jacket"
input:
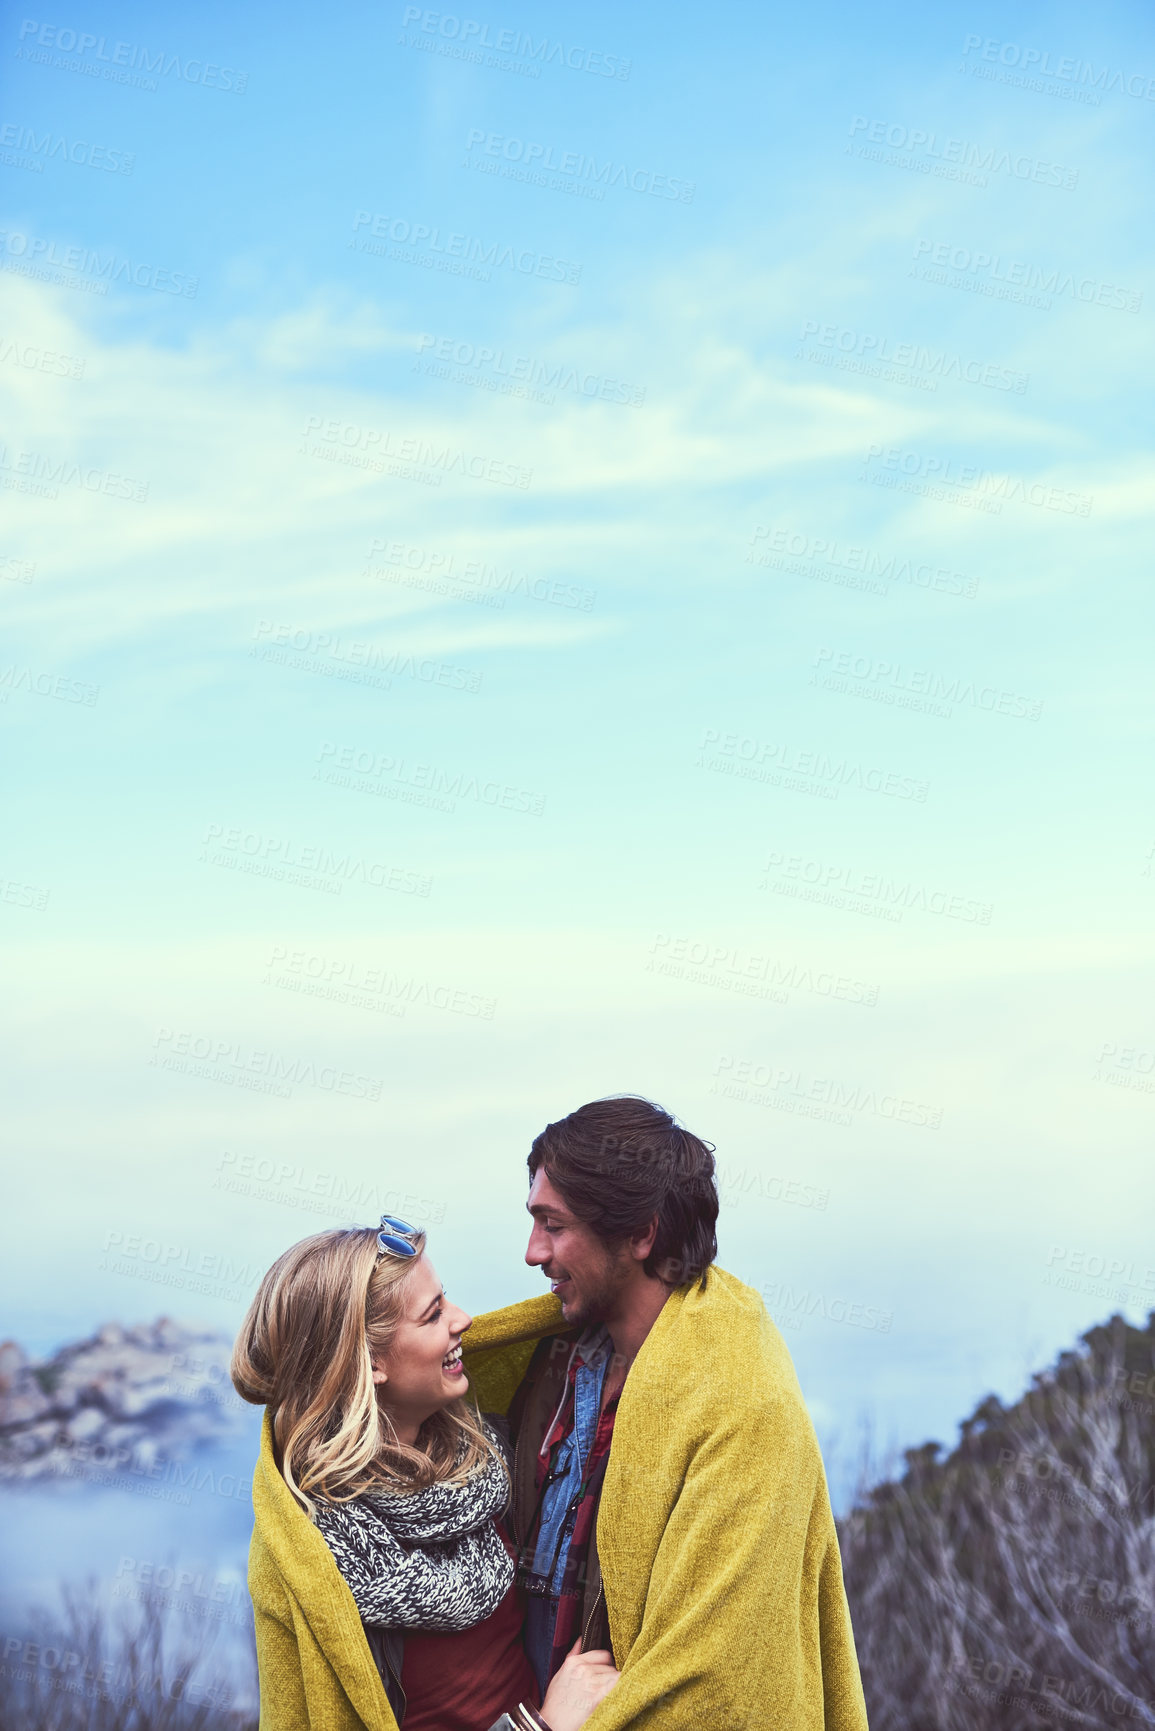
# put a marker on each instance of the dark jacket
(388, 1649)
(530, 1413)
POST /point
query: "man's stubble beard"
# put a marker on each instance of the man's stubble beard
(598, 1304)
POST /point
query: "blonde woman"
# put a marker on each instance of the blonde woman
(383, 1581)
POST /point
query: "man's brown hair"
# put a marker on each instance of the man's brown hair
(616, 1163)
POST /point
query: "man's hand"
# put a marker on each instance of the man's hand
(580, 1683)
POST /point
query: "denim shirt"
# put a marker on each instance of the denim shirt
(594, 1350)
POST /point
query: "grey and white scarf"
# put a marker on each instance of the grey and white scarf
(430, 1559)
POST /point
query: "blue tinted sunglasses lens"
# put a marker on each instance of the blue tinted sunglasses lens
(397, 1225)
(399, 1246)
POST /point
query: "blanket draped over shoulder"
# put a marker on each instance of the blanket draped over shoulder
(717, 1545)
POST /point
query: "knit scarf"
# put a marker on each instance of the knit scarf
(429, 1559)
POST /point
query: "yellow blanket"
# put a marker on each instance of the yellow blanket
(718, 1552)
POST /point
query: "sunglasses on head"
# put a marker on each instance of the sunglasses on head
(395, 1237)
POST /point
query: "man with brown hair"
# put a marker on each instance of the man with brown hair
(669, 1500)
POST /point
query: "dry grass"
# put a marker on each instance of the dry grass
(138, 1668)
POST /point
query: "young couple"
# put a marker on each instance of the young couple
(605, 1507)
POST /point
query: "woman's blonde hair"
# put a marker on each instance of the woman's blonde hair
(325, 1314)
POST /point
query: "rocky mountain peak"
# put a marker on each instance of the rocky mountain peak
(123, 1393)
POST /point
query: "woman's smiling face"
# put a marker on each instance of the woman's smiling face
(422, 1371)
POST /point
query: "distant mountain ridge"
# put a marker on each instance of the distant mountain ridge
(125, 1397)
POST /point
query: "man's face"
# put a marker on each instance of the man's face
(588, 1277)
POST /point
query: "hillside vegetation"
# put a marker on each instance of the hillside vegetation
(1011, 1585)
(1006, 1586)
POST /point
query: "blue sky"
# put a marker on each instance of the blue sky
(643, 530)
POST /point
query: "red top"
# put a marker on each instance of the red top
(464, 1679)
